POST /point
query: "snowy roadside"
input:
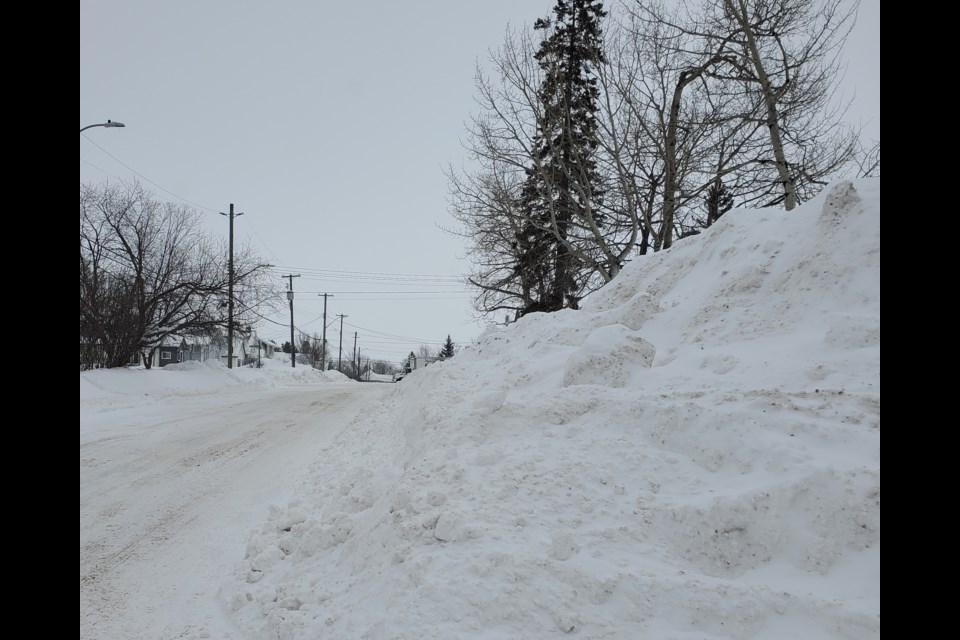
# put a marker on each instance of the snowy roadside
(695, 454)
(104, 391)
(170, 487)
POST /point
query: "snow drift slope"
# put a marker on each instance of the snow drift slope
(695, 454)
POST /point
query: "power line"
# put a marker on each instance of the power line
(401, 296)
(311, 321)
(381, 292)
(104, 171)
(279, 324)
(372, 273)
(389, 335)
(143, 177)
(262, 317)
(140, 175)
(269, 252)
(399, 299)
(352, 276)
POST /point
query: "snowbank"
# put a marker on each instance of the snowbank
(115, 389)
(695, 454)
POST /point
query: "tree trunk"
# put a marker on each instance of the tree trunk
(770, 101)
(665, 239)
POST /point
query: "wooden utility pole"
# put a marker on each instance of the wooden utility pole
(340, 357)
(323, 345)
(293, 346)
(356, 357)
(230, 215)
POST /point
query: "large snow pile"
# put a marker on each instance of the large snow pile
(695, 454)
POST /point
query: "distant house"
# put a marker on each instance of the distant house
(197, 348)
(415, 362)
(240, 353)
(168, 352)
(246, 348)
(419, 362)
(259, 349)
(201, 348)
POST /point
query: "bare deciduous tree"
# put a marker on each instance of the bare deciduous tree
(868, 160)
(310, 351)
(711, 102)
(486, 204)
(148, 272)
(382, 367)
(788, 56)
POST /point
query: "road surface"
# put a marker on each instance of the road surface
(169, 493)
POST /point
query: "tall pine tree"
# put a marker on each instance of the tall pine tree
(447, 350)
(562, 184)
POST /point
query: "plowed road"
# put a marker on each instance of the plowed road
(170, 491)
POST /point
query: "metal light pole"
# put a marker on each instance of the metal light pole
(108, 123)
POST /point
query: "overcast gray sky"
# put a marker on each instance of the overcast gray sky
(327, 124)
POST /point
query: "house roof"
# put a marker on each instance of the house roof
(254, 339)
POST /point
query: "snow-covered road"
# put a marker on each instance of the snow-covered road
(169, 492)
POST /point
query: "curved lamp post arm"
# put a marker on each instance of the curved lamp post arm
(108, 123)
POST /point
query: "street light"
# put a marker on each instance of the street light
(108, 123)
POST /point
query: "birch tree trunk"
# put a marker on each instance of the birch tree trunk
(738, 9)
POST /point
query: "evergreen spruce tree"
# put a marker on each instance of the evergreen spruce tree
(563, 181)
(719, 200)
(447, 350)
